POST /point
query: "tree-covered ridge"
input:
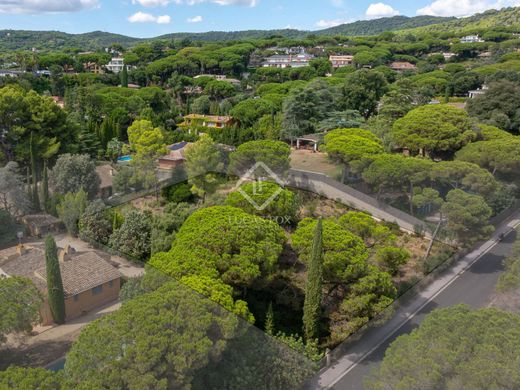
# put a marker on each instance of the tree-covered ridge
(27, 39)
(377, 26)
(504, 18)
(56, 40)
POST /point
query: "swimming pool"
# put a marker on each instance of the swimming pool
(56, 365)
(124, 158)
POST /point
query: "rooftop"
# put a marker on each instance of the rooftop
(79, 271)
(209, 118)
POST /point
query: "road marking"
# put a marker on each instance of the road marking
(513, 225)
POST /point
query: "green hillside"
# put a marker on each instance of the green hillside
(504, 18)
(26, 40)
(52, 40)
(377, 26)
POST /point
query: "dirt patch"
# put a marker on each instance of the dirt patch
(307, 160)
(38, 354)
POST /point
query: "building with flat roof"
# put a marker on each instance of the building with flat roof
(341, 60)
(116, 64)
(471, 39)
(288, 60)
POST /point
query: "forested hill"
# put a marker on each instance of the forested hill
(361, 27)
(377, 26)
(22, 39)
(506, 17)
(26, 40)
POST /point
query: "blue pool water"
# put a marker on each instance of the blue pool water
(57, 365)
(124, 158)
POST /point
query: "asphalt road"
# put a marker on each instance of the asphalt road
(473, 287)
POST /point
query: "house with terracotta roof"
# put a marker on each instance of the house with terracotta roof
(89, 281)
(400, 66)
(219, 122)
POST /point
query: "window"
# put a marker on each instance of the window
(111, 283)
(76, 297)
(97, 290)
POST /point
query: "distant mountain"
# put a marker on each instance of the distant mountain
(25, 40)
(377, 26)
(237, 35)
(361, 27)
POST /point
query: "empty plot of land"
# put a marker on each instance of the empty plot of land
(306, 160)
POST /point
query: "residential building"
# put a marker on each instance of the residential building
(448, 56)
(340, 61)
(40, 225)
(106, 176)
(89, 281)
(93, 67)
(219, 122)
(175, 156)
(477, 92)
(116, 64)
(288, 60)
(401, 66)
(471, 39)
(219, 77)
(10, 73)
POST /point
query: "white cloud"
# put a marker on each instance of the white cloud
(463, 7)
(142, 17)
(152, 3)
(195, 19)
(323, 23)
(157, 3)
(380, 10)
(45, 6)
(164, 19)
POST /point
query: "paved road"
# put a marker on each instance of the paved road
(323, 185)
(471, 281)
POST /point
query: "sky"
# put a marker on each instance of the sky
(149, 18)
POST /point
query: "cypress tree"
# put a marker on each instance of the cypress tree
(313, 288)
(124, 77)
(35, 196)
(45, 187)
(269, 320)
(55, 291)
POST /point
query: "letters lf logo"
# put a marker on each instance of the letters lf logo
(252, 175)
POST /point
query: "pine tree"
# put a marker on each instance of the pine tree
(269, 320)
(55, 291)
(124, 77)
(313, 288)
(35, 197)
